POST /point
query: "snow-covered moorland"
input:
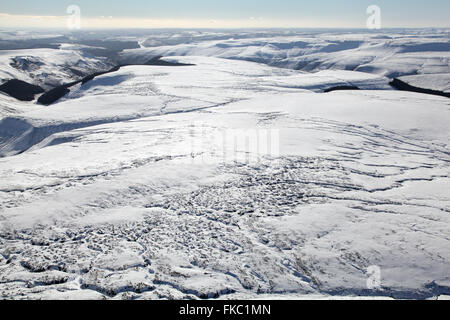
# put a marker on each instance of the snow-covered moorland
(422, 55)
(125, 189)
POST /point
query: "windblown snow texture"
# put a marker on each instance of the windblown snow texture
(121, 190)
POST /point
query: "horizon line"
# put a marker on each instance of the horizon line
(2, 28)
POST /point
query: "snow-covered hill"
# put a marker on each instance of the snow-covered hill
(128, 188)
(160, 90)
(391, 54)
(48, 67)
(317, 51)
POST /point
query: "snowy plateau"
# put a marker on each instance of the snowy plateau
(121, 189)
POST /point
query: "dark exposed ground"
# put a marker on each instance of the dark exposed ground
(403, 86)
(338, 88)
(21, 90)
(53, 95)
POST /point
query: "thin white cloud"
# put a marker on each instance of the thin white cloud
(30, 21)
(35, 21)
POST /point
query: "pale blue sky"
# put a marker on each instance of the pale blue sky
(348, 13)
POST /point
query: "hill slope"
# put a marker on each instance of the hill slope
(128, 187)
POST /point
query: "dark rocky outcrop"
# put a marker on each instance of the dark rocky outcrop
(53, 95)
(21, 90)
(338, 88)
(403, 86)
(97, 74)
(156, 61)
